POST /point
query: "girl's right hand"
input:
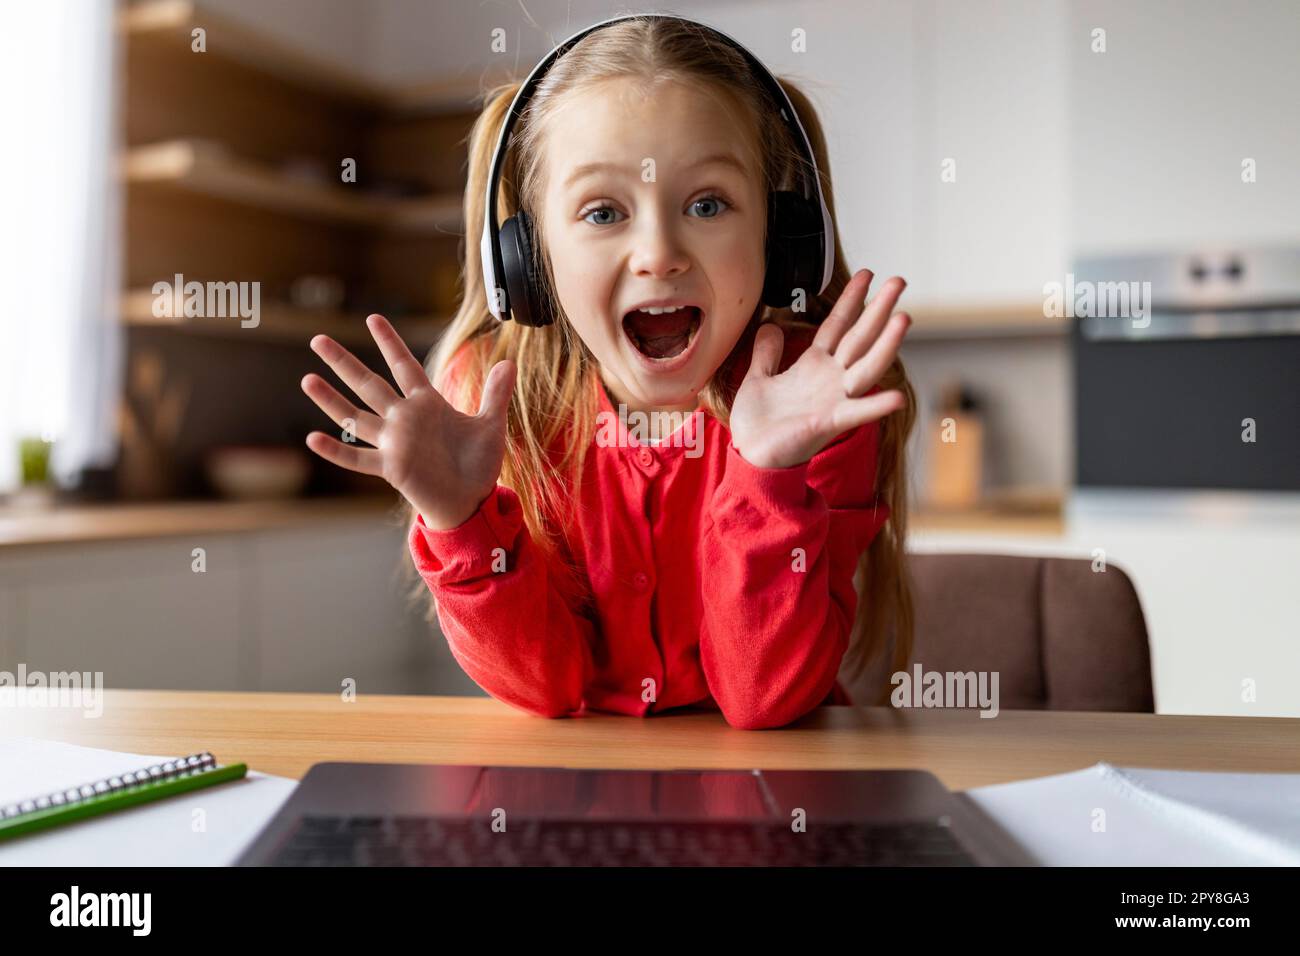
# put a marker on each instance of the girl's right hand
(444, 463)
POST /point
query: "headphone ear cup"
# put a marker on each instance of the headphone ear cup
(523, 289)
(795, 249)
(515, 258)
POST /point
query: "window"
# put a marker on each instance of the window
(60, 338)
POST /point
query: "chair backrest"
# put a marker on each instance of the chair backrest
(1060, 635)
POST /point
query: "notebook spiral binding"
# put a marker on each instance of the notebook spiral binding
(168, 770)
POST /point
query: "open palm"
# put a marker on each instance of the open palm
(442, 461)
(779, 420)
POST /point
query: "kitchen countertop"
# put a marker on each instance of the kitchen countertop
(72, 523)
(67, 524)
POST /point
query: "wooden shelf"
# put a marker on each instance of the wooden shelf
(207, 169)
(231, 172)
(169, 23)
(941, 322)
(279, 323)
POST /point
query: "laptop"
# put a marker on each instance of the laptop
(355, 814)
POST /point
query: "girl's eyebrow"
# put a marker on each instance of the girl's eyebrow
(713, 159)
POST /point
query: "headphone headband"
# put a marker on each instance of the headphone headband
(490, 245)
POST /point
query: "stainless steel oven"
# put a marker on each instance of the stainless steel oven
(1179, 361)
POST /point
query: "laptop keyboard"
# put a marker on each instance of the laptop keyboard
(435, 841)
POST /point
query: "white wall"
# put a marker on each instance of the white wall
(1160, 123)
(1059, 149)
(900, 86)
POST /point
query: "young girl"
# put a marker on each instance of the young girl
(712, 567)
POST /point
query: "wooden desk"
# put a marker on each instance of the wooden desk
(286, 733)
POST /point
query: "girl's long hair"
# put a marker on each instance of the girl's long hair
(552, 414)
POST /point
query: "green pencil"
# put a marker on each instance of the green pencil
(116, 793)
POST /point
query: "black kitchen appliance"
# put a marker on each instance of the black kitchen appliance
(1175, 356)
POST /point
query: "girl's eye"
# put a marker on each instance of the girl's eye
(715, 200)
(600, 209)
(713, 207)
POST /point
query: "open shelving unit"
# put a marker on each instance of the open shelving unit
(279, 325)
(207, 169)
(168, 23)
(232, 172)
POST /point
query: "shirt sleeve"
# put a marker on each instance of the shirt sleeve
(504, 618)
(780, 548)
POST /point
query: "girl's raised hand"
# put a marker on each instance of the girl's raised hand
(783, 420)
(444, 463)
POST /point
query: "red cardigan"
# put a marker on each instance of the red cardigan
(716, 584)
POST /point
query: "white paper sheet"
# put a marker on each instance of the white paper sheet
(1151, 817)
(163, 833)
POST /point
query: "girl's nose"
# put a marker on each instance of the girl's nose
(658, 251)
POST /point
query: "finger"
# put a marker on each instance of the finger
(765, 358)
(407, 370)
(497, 389)
(365, 425)
(858, 339)
(847, 309)
(365, 460)
(866, 371)
(372, 388)
(853, 412)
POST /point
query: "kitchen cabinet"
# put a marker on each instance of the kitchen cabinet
(294, 608)
(134, 611)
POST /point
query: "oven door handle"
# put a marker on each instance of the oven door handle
(1165, 325)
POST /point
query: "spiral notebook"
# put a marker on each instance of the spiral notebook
(206, 827)
(125, 791)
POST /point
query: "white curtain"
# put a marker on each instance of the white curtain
(60, 337)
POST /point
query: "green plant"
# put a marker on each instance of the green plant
(35, 456)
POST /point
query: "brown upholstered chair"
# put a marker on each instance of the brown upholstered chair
(1061, 636)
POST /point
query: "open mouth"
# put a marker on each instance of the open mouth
(664, 335)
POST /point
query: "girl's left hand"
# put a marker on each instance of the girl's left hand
(782, 420)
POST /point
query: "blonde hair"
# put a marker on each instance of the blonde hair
(552, 414)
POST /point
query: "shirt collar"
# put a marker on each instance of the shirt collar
(672, 446)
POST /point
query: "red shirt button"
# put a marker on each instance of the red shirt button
(641, 580)
(645, 457)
